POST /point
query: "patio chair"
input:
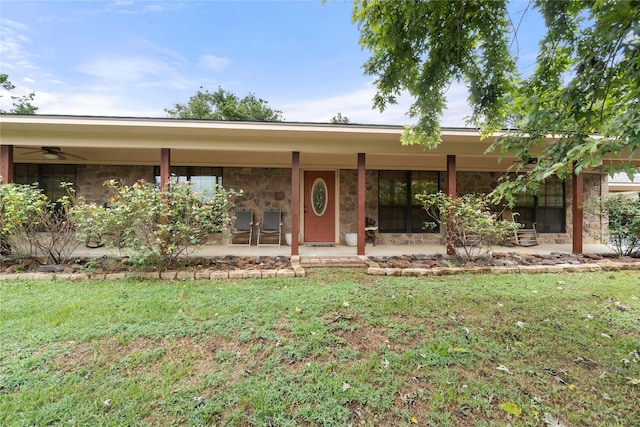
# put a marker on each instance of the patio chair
(271, 227)
(241, 231)
(523, 236)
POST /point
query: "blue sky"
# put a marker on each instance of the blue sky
(126, 58)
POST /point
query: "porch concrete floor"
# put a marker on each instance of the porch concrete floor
(341, 251)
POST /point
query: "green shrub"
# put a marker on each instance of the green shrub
(623, 214)
(466, 222)
(156, 227)
(31, 225)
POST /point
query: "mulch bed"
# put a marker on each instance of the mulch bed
(117, 264)
(499, 259)
(10, 265)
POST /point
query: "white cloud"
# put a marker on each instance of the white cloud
(358, 107)
(90, 103)
(125, 69)
(148, 64)
(13, 52)
(213, 62)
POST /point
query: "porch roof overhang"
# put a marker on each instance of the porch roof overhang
(109, 140)
(129, 141)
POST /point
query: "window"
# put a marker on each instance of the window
(398, 210)
(47, 176)
(546, 209)
(202, 178)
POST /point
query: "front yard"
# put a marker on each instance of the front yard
(337, 347)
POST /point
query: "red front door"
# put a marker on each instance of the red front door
(319, 206)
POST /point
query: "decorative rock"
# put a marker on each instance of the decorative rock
(267, 274)
(376, 271)
(393, 271)
(185, 275)
(251, 274)
(411, 272)
(219, 275)
(285, 272)
(236, 274)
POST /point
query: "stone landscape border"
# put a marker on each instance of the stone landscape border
(298, 269)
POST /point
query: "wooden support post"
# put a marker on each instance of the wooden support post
(165, 168)
(451, 191)
(295, 202)
(362, 203)
(451, 176)
(6, 163)
(578, 201)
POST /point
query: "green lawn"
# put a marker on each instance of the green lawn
(335, 348)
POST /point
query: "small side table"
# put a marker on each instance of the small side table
(371, 235)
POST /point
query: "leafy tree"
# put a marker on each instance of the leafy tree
(224, 105)
(21, 104)
(340, 119)
(585, 83)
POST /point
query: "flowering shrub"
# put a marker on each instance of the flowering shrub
(466, 222)
(623, 214)
(156, 227)
(31, 225)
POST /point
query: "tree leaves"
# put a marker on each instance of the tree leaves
(423, 46)
(582, 93)
(511, 408)
(21, 104)
(225, 105)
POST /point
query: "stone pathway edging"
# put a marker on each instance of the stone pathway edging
(298, 266)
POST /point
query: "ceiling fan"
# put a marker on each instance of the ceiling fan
(51, 153)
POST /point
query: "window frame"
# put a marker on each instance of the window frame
(410, 205)
(43, 177)
(536, 211)
(191, 171)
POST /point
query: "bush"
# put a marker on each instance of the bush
(156, 227)
(32, 226)
(466, 222)
(623, 214)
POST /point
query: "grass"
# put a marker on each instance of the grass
(333, 349)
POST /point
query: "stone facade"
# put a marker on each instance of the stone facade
(262, 188)
(90, 179)
(271, 187)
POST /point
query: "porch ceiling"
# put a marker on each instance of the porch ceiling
(213, 143)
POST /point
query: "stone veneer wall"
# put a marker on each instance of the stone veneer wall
(90, 179)
(262, 188)
(467, 182)
(271, 187)
(595, 185)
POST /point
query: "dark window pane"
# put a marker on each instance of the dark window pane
(550, 220)
(524, 216)
(48, 177)
(546, 209)
(392, 219)
(552, 194)
(398, 209)
(25, 173)
(418, 218)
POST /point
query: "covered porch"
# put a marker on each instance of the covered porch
(279, 164)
